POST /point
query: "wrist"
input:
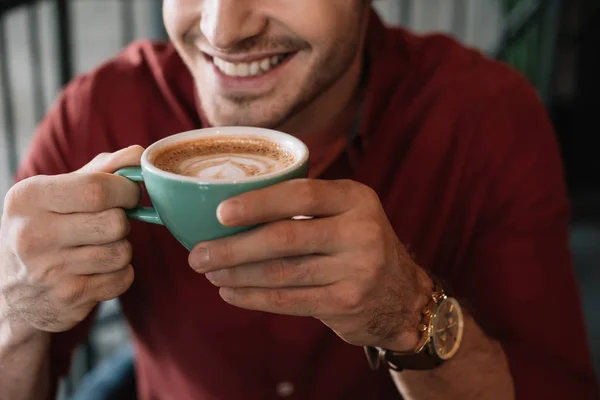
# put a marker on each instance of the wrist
(15, 333)
(409, 339)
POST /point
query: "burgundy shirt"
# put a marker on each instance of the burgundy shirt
(464, 159)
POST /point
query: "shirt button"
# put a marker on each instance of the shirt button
(285, 389)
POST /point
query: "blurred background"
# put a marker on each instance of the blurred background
(555, 44)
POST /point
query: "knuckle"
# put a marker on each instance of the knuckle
(97, 257)
(107, 291)
(370, 194)
(20, 193)
(13, 199)
(301, 273)
(136, 149)
(25, 243)
(276, 271)
(127, 280)
(101, 259)
(118, 224)
(309, 193)
(118, 285)
(70, 293)
(331, 231)
(358, 193)
(122, 253)
(283, 235)
(102, 156)
(350, 299)
(345, 187)
(372, 270)
(112, 256)
(79, 314)
(94, 192)
(372, 233)
(100, 160)
(278, 299)
(224, 253)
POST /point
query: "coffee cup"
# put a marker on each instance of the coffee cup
(189, 174)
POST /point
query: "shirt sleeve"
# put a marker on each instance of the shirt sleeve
(51, 153)
(518, 274)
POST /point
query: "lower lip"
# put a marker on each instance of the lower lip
(263, 82)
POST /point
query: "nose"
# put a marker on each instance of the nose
(225, 23)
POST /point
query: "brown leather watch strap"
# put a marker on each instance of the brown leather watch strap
(413, 361)
(420, 358)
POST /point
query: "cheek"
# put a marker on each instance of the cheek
(323, 24)
(170, 16)
(179, 16)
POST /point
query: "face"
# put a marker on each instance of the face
(262, 62)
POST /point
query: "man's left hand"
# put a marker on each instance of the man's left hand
(345, 267)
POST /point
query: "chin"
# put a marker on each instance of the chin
(239, 111)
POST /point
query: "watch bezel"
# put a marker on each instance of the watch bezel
(461, 328)
(425, 355)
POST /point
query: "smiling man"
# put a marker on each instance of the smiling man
(270, 68)
(437, 265)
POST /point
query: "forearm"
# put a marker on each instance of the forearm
(478, 371)
(24, 362)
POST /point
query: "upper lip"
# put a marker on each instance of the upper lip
(244, 58)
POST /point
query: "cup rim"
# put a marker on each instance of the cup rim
(291, 142)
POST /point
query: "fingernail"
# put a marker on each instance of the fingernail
(227, 293)
(199, 257)
(228, 211)
(213, 276)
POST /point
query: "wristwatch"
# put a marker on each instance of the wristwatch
(441, 330)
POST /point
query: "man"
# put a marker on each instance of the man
(434, 175)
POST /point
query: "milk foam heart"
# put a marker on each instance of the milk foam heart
(224, 158)
(227, 166)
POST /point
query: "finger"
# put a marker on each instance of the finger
(104, 287)
(86, 289)
(72, 193)
(280, 273)
(304, 302)
(89, 260)
(110, 162)
(288, 199)
(88, 229)
(271, 241)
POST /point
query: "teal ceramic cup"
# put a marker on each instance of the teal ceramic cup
(187, 206)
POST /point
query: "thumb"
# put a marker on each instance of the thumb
(111, 162)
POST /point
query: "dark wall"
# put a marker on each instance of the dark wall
(578, 118)
(586, 105)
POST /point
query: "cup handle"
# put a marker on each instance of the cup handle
(144, 214)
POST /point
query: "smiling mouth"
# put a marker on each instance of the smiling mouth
(249, 69)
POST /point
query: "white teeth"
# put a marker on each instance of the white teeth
(230, 69)
(218, 62)
(265, 64)
(243, 70)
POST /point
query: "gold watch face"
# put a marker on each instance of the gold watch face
(447, 329)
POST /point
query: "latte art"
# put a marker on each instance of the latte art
(224, 158)
(228, 166)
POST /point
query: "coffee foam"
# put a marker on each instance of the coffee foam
(224, 158)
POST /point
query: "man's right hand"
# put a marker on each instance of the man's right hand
(63, 243)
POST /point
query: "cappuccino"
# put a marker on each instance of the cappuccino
(224, 158)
